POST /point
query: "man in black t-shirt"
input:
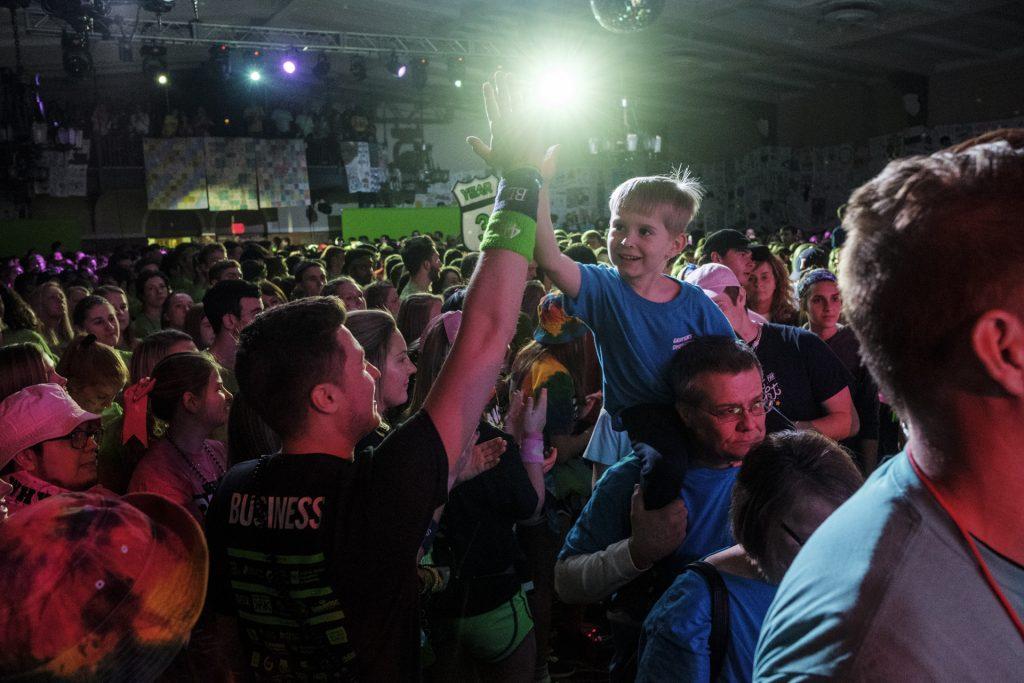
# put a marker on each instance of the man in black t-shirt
(805, 384)
(313, 550)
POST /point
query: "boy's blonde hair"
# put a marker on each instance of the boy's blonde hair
(678, 195)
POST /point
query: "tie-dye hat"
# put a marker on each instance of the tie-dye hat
(98, 588)
(554, 325)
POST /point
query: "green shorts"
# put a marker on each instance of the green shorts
(492, 636)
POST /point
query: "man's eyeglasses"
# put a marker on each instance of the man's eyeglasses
(734, 413)
(80, 437)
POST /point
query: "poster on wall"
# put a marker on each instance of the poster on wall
(231, 174)
(282, 173)
(475, 198)
(175, 173)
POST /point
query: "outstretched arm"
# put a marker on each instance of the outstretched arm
(464, 385)
(562, 270)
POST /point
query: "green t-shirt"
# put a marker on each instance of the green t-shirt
(144, 326)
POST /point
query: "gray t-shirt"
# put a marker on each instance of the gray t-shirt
(1008, 574)
(887, 589)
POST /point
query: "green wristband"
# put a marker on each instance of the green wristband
(510, 230)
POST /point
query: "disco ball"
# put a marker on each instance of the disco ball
(626, 16)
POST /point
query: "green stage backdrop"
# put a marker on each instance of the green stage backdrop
(398, 223)
(18, 236)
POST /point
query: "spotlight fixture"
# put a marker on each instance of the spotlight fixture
(288, 66)
(220, 61)
(457, 71)
(322, 67)
(419, 72)
(395, 67)
(75, 54)
(154, 60)
(255, 75)
(162, 79)
(357, 68)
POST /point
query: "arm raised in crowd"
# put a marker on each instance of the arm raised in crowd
(493, 300)
(563, 271)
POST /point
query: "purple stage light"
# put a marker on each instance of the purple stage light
(288, 66)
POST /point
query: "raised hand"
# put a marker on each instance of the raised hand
(480, 457)
(526, 416)
(656, 533)
(515, 133)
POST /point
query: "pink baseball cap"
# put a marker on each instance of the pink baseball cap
(713, 278)
(36, 414)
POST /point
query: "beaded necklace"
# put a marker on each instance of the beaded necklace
(208, 451)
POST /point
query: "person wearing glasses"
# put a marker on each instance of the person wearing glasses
(620, 549)
(49, 445)
(785, 489)
(806, 386)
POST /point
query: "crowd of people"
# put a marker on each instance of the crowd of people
(682, 457)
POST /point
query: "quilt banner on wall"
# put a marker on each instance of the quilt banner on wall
(283, 176)
(175, 173)
(231, 174)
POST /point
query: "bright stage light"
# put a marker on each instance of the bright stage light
(162, 79)
(288, 66)
(255, 76)
(557, 87)
(457, 83)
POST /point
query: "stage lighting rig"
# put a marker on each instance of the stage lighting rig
(419, 73)
(396, 67)
(154, 60)
(83, 16)
(457, 71)
(220, 61)
(357, 68)
(322, 67)
(75, 54)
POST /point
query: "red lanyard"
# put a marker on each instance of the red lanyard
(989, 579)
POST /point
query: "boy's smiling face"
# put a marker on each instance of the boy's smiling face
(640, 244)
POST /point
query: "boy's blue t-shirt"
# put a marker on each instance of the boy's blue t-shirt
(674, 645)
(636, 338)
(605, 519)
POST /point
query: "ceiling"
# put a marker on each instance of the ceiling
(751, 51)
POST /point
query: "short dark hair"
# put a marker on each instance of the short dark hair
(226, 297)
(905, 228)
(81, 311)
(218, 268)
(146, 276)
(254, 270)
(787, 467)
(415, 251)
(209, 249)
(376, 293)
(713, 353)
(302, 266)
(284, 353)
(581, 253)
(469, 265)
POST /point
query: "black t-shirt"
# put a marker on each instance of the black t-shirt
(800, 374)
(863, 388)
(316, 555)
(476, 539)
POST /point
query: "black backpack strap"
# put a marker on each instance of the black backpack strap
(719, 638)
